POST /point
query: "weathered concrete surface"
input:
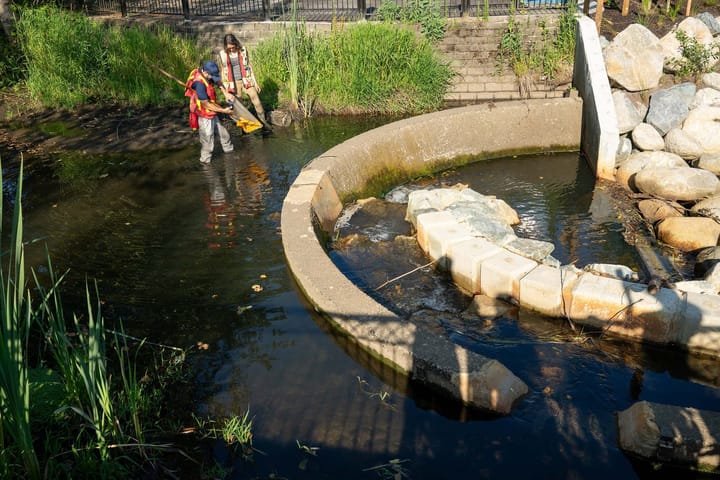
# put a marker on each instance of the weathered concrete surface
(400, 151)
(669, 433)
(601, 135)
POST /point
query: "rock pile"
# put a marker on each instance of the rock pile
(669, 150)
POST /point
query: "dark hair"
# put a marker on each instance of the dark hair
(230, 39)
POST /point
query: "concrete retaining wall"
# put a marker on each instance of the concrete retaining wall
(400, 151)
(601, 135)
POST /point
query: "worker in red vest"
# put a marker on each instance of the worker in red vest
(237, 74)
(200, 87)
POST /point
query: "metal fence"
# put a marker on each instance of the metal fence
(311, 10)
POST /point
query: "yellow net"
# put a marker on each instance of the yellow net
(248, 125)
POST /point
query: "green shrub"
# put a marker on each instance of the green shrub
(695, 57)
(366, 67)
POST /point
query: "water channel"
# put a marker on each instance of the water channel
(191, 255)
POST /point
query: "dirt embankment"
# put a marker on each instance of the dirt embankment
(94, 129)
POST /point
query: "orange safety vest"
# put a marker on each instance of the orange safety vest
(195, 104)
(245, 71)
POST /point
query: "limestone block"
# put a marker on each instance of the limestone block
(541, 290)
(429, 221)
(465, 259)
(700, 323)
(500, 274)
(440, 237)
(625, 308)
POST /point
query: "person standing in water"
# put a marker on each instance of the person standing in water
(200, 88)
(237, 74)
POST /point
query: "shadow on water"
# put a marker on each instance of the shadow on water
(188, 255)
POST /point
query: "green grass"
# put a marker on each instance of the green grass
(363, 68)
(92, 62)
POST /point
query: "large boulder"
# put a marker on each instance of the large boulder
(630, 112)
(703, 124)
(693, 28)
(625, 174)
(646, 138)
(677, 183)
(706, 96)
(668, 108)
(708, 207)
(681, 143)
(709, 162)
(634, 59)
(653, 210)
(689, 234)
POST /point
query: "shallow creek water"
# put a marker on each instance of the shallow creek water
(184, 253)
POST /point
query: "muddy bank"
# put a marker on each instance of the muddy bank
(106, 129)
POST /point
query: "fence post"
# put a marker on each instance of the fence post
(362, 8)
(123, 8)
(266, 10)
(186, 9)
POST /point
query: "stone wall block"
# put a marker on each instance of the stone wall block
(465, 260)
(626, 308)
(541, 290)
(500, 275)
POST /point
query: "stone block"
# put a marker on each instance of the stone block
(428, 221)
(440, 238)
(465, 259)
(500, 274)
(541, 290)
(699, 323)
(625, 308)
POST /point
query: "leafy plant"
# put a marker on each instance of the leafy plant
(696, 58)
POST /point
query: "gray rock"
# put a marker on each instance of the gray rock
(667, 110)
(527, 247)
(710, 21)
(708, 207)
(705, 260)
(624, 150)
(629, 113)
(621, 272)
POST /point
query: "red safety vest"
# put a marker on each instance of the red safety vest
(195, 104)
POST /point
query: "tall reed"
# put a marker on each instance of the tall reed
(367, 67)
(17, 319)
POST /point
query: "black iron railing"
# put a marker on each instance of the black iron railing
(311, 10)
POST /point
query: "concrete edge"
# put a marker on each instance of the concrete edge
(398, 152)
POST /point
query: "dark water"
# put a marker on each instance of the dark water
(181, 251)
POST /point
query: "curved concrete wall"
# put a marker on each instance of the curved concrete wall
(389, 155)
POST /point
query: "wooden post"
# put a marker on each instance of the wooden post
(687, 8)
(598, 14)
(626, 7)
